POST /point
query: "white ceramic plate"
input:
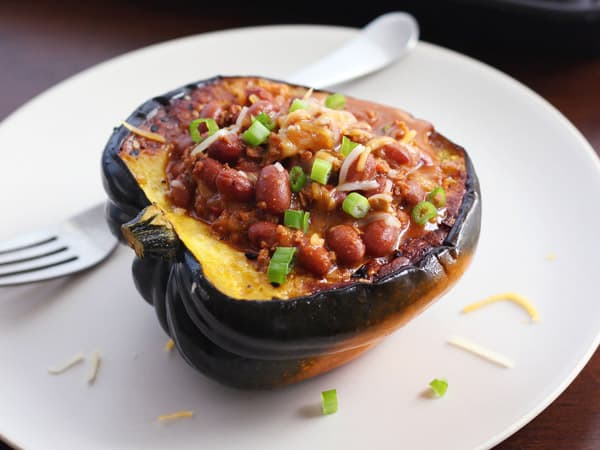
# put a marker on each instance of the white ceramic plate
(539, 180)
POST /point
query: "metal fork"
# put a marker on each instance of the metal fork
(62, 249)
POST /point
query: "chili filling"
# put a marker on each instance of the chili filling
(299, 187)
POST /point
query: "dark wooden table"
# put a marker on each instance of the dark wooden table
(42, 43)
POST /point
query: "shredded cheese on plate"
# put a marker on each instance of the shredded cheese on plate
(95, 366)
(478, 350)
(518, 299)
(169, 345)
(67, 365)
(175, 416)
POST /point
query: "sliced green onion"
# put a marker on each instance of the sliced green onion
(423, 212)
(293, 218)
(296, 219)
(284, 254)
(305, 222)
(347, 146)
(256, 134)
(297, 104)
(297, 178)
(320, 170)
(277, 272)
(356, 205)
(266, 120)
(211, 126)
(335, 101)
(439, 386)
(281, 264)
(437, 197)
(329, 401)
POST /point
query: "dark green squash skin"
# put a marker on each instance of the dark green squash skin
(259, 344)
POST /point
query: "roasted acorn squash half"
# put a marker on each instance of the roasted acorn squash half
(225, 317)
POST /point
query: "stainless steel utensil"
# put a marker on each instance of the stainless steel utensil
(74, 245)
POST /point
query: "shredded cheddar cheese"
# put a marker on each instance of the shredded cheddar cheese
(380, 141)
(408, 137)
(518, 299)
(321, 154)
(95, 366)
(169, 345)
(175, 416)
(362, 160)
(67, 365)
(143, 133)
(478, 350)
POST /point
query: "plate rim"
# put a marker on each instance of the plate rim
(487, 69)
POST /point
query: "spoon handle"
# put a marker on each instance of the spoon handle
(381, 42)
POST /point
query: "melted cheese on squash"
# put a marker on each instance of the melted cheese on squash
(225, 267)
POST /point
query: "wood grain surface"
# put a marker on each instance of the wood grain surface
(42, 43)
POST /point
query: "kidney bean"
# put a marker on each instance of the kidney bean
(226, 149)
(346, 243)
(395, 153)
(367, 173)
(314, 259)
(411, 191)
(207, 170)
(233, 185)
(263, 234)
(380, 238)
(273, 189)
(214, 110)
(180, 191)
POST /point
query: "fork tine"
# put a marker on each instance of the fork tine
(68, 266)
(37, 263)
(58, 250)
(27, 240)
(30, 252)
